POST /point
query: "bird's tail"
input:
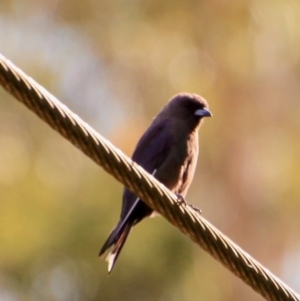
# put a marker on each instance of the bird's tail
(116, 239)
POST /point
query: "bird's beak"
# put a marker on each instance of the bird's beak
(203, 113)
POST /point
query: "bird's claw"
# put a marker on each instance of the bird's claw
(195, 208)
(181, 200)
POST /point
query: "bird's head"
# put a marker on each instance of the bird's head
(189, 108)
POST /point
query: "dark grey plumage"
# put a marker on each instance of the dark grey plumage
(168, 150)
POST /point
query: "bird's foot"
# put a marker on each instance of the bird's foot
(195, 208)
(181, 200)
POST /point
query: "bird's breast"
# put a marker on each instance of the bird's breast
(178, 169)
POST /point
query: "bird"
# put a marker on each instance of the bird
(169, 151)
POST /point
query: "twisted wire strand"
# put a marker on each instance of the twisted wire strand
(146, 187)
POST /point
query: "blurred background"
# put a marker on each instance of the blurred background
(116, 63)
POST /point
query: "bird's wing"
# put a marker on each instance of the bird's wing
(154, 146)
(151, 151)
